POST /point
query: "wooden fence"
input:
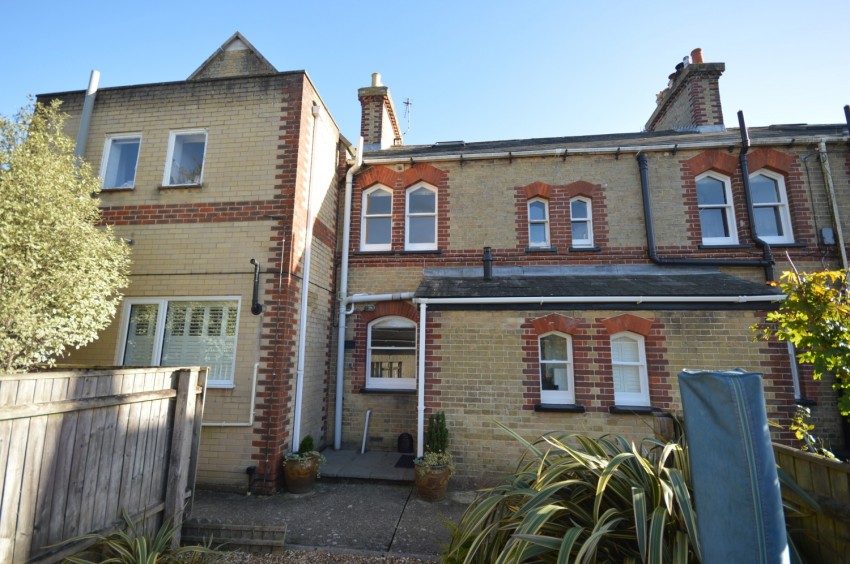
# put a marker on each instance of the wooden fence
(80, 447)
(824, 537)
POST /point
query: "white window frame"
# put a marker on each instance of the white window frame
(162, 303)
(784, 213)
(588, 242)
(408, 246)
(364, 220)
(632, 398)
(107, 152)
(391, 383)
(172, 139)
(545, 222)
(728, 209)
(557, 397)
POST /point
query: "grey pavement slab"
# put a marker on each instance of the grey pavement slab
(374, 517)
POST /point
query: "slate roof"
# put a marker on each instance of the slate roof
(712, 284)
(731, 136)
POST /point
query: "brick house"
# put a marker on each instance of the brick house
(562, 284)
(237, 163)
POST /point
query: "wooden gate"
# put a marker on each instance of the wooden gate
(79, 447)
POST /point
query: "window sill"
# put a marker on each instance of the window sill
(633, 409)
(788, 245)
(723, 247)
(117, 189)
(805, 402)
(387, 391)
(541, 250)
(221, 386)
(421, 252)
(585, 249)
(559, 408)
(376, 252)
(180, 186)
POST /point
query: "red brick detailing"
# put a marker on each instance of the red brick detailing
(537, 190)
(627, 322)
(397, 183)
(560, 230)
(555, 322)
(212, 212)
(324, 234)
(713, 159)
(377, 175)
(386, 309)
(768, 158)
(422, 173)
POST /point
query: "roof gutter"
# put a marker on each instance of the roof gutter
(607, 150)
(602, 299)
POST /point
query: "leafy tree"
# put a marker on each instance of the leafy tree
(815, 317)
(60, 271)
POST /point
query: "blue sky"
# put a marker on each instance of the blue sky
(474, 70)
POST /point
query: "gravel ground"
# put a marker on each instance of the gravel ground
(319, 557)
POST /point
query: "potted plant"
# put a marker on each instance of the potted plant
(301, 468)
(436, 466)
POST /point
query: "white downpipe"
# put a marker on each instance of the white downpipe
(85, 117)
(250, 422)
(830, 188)
(305, 290)
(365, 431)
(560, 152)
(420, 408)
(603, 299)
(343, 290)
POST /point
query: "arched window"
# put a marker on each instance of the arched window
(770, 207)
(421, 219)
(581, 222)
(391, 354)
(556, 369)
(716, 213)
(538, 223)
(377, 221)
(628, 362)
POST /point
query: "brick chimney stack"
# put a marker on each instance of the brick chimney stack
(691, 100)
(378, 124)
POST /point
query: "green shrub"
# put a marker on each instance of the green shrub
(437, 439)
(306, 445)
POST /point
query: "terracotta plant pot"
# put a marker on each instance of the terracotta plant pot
(300, 475)
(433, 483)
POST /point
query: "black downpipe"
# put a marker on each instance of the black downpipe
(650, 234)
(769, 272)
(847, 117)
(256, 306)
(488, 263)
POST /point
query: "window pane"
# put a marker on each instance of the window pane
(393, 364)
(764, 190)
(713, 222)
(580, 231)
(554, 377)
(768, 223)
(553, 347)
(422, 200)
(379, 202)
(627, 379)
(395, 337)
(201, 343)
(187, 159)
(422, 230)
(378, 231)
(537, 233)
(537, 211)
(624, 349)
(711, 192)
(121, 164)
(141, 335)
(578, 209)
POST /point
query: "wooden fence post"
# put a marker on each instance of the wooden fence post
(181, 443)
